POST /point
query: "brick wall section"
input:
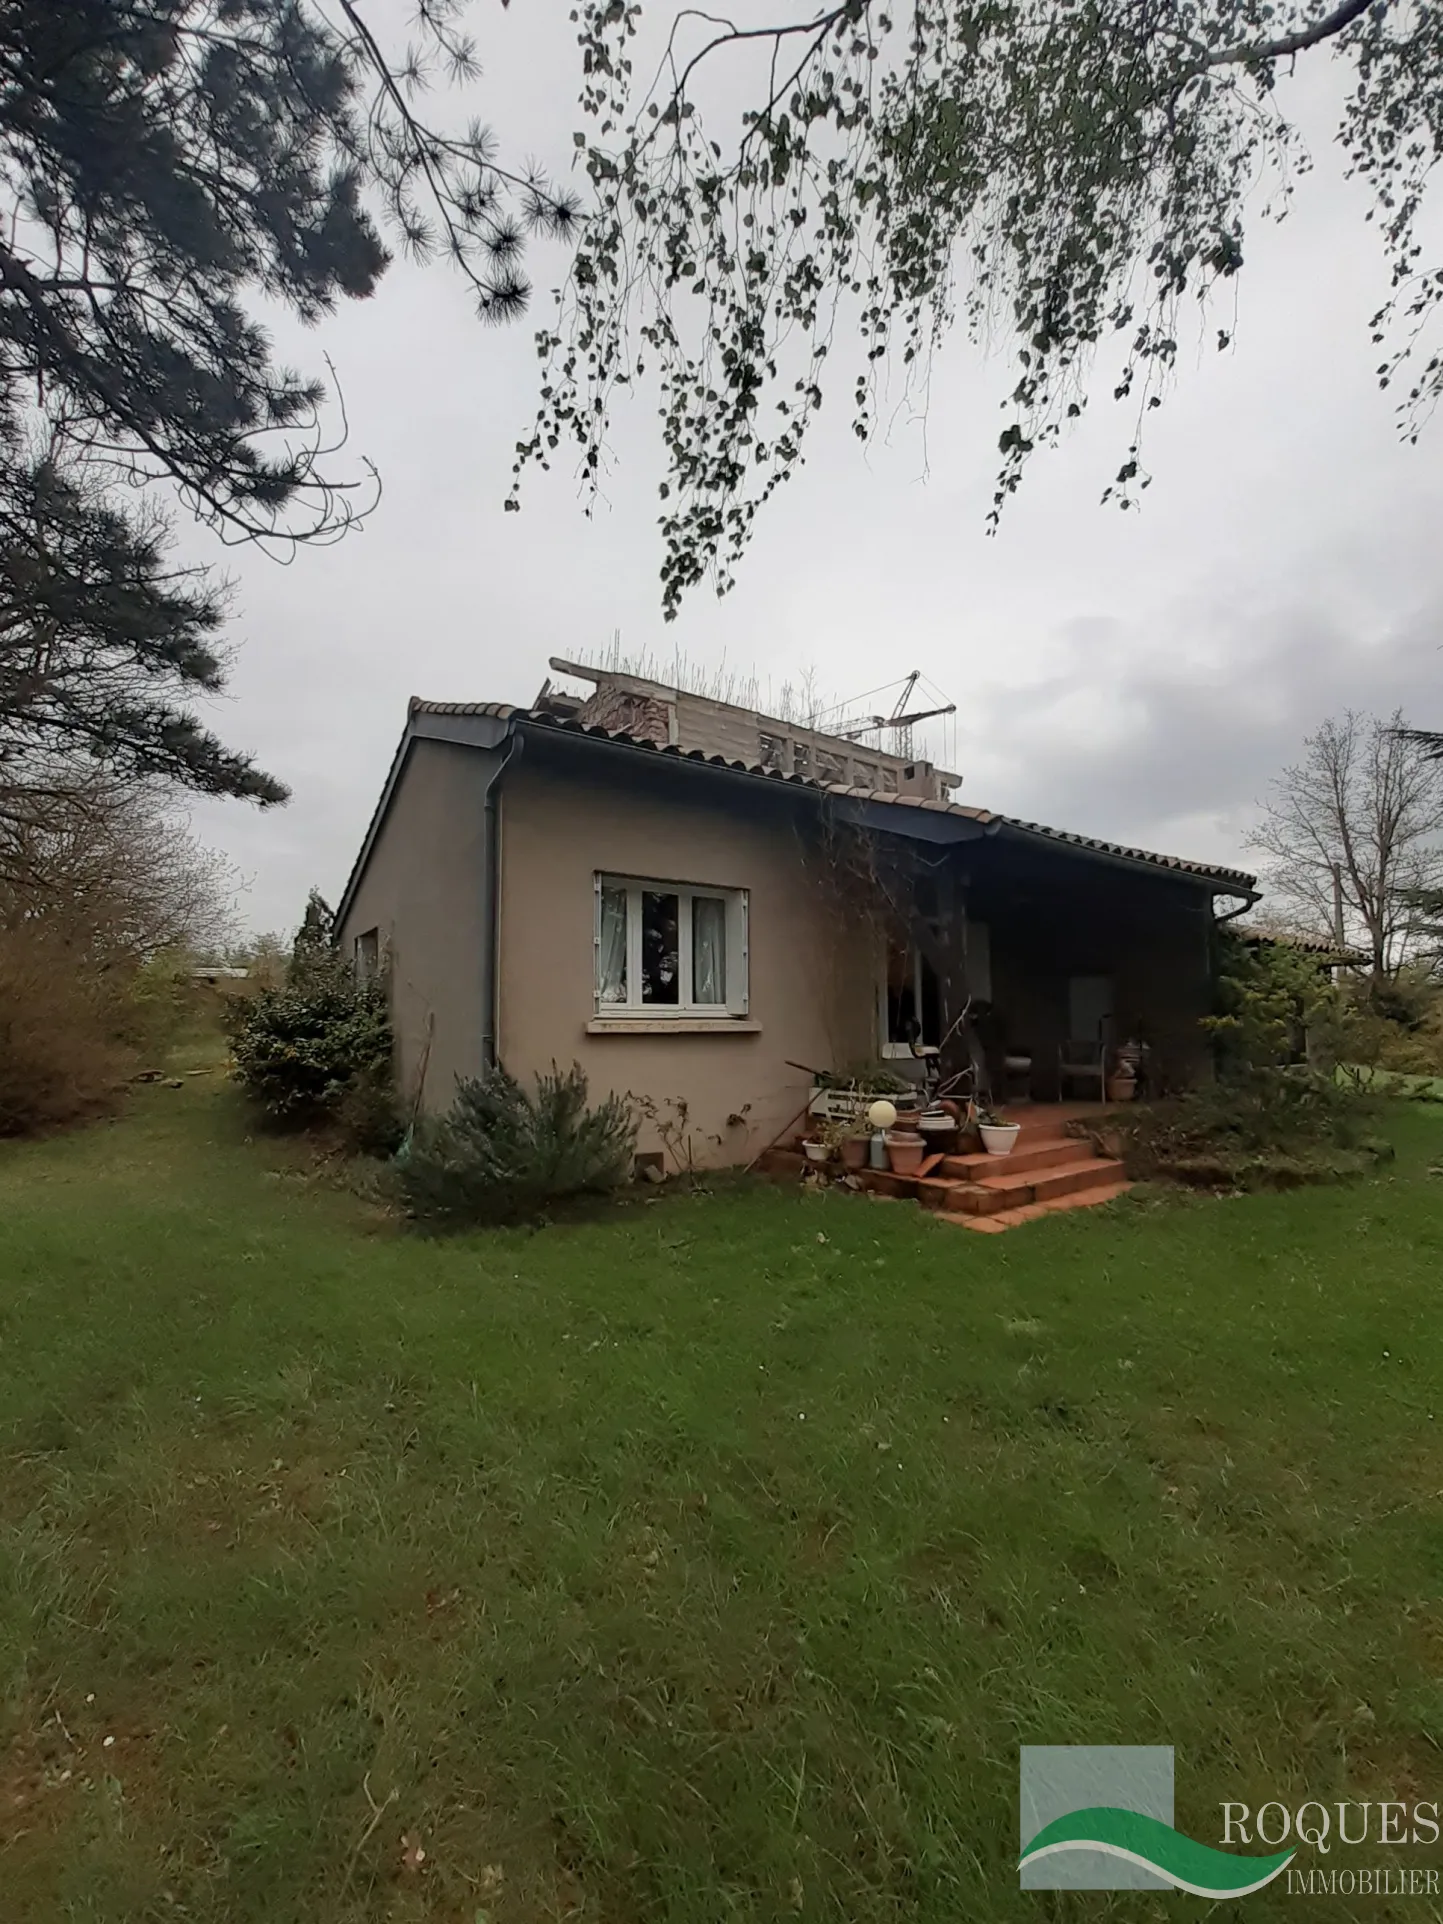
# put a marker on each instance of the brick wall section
(740, 735)
(717, 729)
(643, 716)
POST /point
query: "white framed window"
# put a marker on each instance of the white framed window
(667, 949)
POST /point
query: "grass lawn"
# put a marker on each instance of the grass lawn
(1392, 1082)
(709, 1562)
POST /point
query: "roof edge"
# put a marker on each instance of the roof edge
(1224, 881)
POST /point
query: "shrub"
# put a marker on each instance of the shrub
(302, 1051)
(63, 1053)
(1274, 1130)
(368, 1114)
(875, 1077)
(103, 896)
(1398, 1023)
(318, 1050)
(502, 1156)
(1278, 1114)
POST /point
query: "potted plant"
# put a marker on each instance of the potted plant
(1122, 1081)
(999, 1138)
(938, 1128)
(838, 1137)
(905, 1150)
(854, 1147)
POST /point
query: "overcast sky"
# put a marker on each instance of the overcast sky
(1137, 676)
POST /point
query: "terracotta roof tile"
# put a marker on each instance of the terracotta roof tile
(504, 711)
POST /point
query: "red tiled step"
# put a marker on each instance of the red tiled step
(1043, 1184)
(937, 1191)
(1027, 1154)
(1093, 1173)
(1032, 1212)
(882, 1182)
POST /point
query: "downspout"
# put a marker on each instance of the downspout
(1251, 903)
(1215, 922)
(491, 903)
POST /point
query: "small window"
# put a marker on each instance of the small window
(864, 775)
(669, 949)
(831, 767)
(368, 955)
(802, 759)
(775, 750)
(889, 780)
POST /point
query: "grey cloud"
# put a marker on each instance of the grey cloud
(1198, 743)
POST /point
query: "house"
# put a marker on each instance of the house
(703, 906)
(1331, 956)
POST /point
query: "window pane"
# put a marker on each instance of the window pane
(660, 963)
(611, 947)
(901, 993)
(708, 949)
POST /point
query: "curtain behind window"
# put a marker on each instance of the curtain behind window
(611, 948)
(708, 949)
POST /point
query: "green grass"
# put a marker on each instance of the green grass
(1393, 1082)
(706, 1563)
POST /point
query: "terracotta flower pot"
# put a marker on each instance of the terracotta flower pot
(1121, 1088)
(905, 1150)
(907, 1119)
(854, 1152)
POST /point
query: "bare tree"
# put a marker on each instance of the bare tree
(109, 871)
(1353, 834)
(101, 893)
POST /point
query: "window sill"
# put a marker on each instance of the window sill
(672, 1025)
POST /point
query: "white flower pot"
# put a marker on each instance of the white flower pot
(999, 1138)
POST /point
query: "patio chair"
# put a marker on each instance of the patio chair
(1083, 1061)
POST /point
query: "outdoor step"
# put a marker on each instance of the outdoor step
(1016, 1189)
(937, 1191)
(977, 1199)
(1047, 1121)
(1035, 1185)
(1099, 1172)
(1026, 1155)
(882, 1182)
(1038, 1126)
(1033, 1212)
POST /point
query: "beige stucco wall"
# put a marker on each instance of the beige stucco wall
(423, 890)
(564, 817)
